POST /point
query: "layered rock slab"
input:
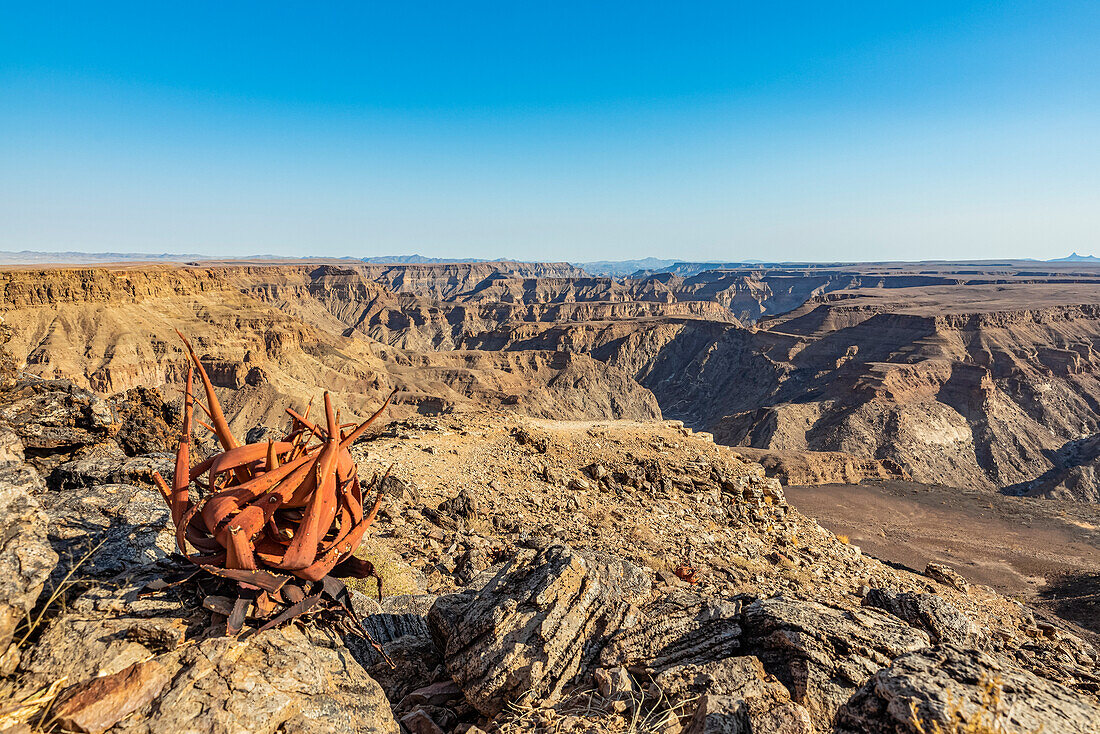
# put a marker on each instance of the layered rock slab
(536, 626)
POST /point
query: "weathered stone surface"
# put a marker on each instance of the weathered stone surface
(612, 682)
(939, 618)
(97, 704)
(132, 522)
(939, 685)
(147, 424)
(822, 654)
(948, 576)
(107, 629)
(402, 630)
(535, 626)
(678, 628)
(26, 557)
(462, 506)
(734, 715)
(280, 680)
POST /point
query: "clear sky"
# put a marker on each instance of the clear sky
(553, 130)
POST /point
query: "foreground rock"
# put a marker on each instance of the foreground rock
(735, 695)
(26, 557)
(291, 679)
(941, 686)
(939, 618)
(822, 654)
(535, 626)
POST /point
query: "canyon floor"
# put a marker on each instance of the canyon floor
(1046, 552)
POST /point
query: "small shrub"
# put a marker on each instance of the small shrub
(398, 577)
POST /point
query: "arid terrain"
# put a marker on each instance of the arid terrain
(586, 526)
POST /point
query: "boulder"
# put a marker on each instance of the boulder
(401, 629)
(104, 466)
(735, 715)
(26, 557)
(821, 653)
(938, 617)
(97, 704)
(678, 628)
(947, 576)
(463, 506)
(535, 626)
(950, 688)
(735, 695)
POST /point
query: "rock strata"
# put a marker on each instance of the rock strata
(681, 628)
(939, 618)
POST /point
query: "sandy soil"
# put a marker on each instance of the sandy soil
(1044, 552)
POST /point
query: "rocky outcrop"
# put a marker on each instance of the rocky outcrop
(105, 530)
(823, 654)
(536, 626)
(26, 557)
(735, 696)
(946, 687)
(108, 465)
(821, 467)
(147, 424)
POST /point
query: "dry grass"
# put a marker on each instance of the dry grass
(844, 539)
(991, 716)
(34, 704)
(587, 712)
(25, 703)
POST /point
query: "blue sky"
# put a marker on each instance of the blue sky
(554, 131)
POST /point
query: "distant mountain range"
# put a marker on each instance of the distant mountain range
(623, 268)
(1075, 258)
(31, 257)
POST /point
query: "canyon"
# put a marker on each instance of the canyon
(959, 374)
